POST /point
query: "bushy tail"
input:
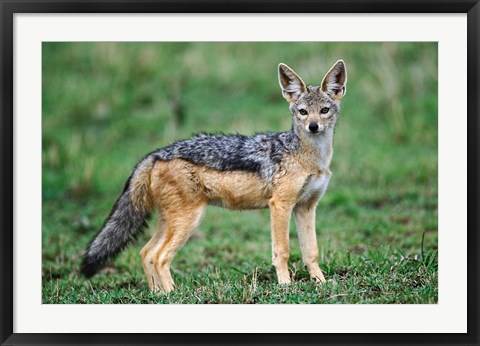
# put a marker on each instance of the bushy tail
(126, 220)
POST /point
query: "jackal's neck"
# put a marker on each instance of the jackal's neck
(317, 149)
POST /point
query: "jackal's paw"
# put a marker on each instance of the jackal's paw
(319, 279)
(284, 281)
(168, 287)
(156, 289)
(162, 290)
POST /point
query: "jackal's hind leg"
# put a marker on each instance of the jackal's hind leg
(179, 225)
(147, 256)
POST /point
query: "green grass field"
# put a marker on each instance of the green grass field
(105, 105)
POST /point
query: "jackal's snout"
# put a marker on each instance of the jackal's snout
(316, 127)
(313, 127)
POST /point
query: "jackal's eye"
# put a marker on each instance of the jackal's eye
(303, 112)
(324, 110)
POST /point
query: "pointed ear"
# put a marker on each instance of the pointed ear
(290, 82)
(335, 81)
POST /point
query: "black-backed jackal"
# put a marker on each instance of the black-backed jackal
(286, 172)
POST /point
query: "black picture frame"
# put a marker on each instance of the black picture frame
(10, 8)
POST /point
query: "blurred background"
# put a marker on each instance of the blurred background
(105, 105)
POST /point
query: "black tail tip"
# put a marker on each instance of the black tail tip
(89, 267)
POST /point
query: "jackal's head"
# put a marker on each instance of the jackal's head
(314, 108)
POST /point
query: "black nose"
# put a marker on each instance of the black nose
(313, 127)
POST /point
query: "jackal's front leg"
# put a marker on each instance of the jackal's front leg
(280, 219)
(305, 220)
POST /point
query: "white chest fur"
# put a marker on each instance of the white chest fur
(315, 187)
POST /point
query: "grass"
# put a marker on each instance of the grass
(105, 105)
